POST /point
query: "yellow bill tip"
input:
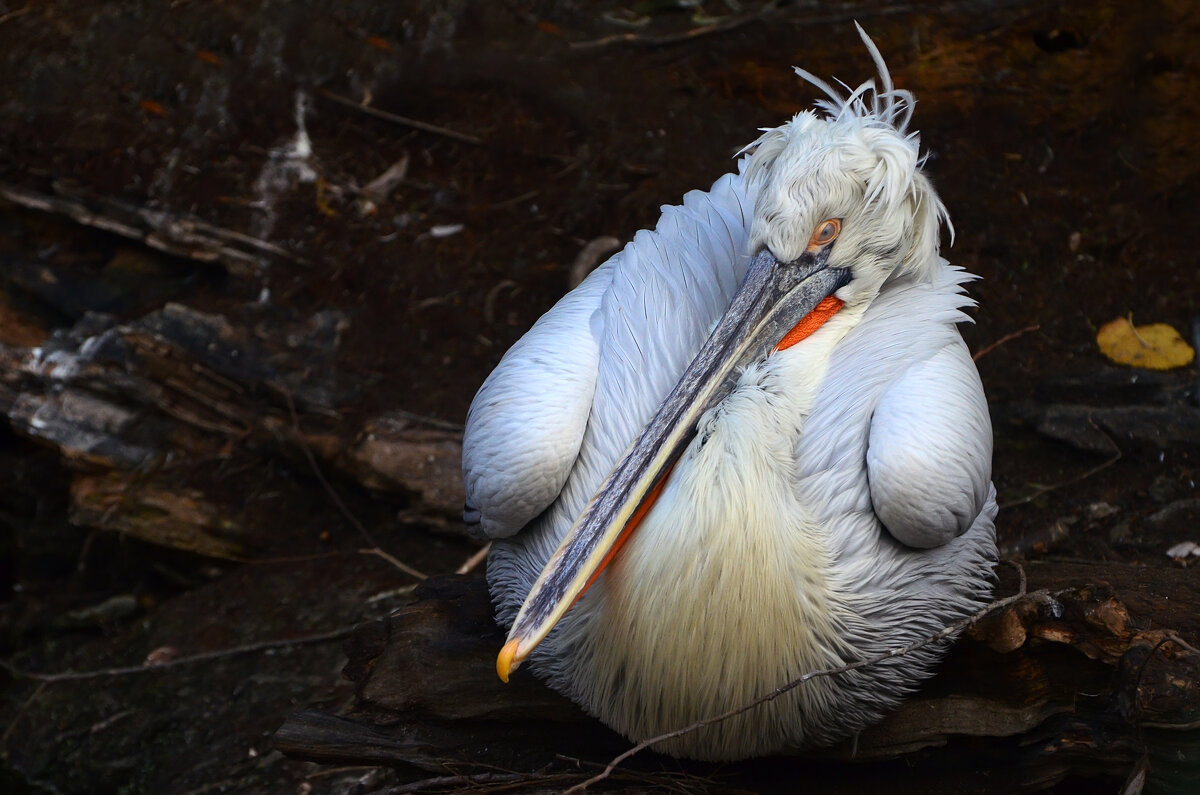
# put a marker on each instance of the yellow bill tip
(504, 662)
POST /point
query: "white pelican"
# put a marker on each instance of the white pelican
(750, 445)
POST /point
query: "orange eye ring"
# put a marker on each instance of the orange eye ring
(825, 233)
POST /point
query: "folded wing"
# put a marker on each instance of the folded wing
(566, 400)
(930, 450)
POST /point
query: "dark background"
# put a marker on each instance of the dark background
(1063, 141)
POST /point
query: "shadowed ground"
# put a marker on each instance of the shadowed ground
(241, 316)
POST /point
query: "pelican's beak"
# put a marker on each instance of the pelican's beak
(776, 305)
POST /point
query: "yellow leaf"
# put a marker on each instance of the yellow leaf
(1154, 347)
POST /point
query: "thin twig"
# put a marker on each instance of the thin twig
(854, 12)
(181, 236)
(1173, 635)
(337, 771)
(943, 633)
(75, 676)
(470, 563)
(515, 200)
(1006, 338)
(652, 778)
(392, 559)
(458, 782)
(375, 549)
(432, 422)
(283, 559)
(391, 593)
(316, 470)
(21, 711)
(489, 301)
(1167, 637)
(1022, 583)
(397, 119)
(14, 14)
(723, 26)
(378, 189)
(588, 256)
(1040, 490)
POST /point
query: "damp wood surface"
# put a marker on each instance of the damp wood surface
(1069, 677)
(255, 260)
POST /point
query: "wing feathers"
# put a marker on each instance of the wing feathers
(591, 372)
(527, 421)
(871, 361)
(930, 450)
(670, 287)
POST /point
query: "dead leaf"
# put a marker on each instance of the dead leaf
(380, 43)
(1154, 347)
(161, 655)
(323, 191)
(152, 108)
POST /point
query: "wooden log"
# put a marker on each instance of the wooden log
(123, 397)
(1067, 680)
(180, 235)
(396, 453)
(1109, 408)
(436, 657)
(155, 512)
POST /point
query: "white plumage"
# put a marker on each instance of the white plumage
(833, 504)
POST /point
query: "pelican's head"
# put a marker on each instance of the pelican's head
(848, 176)
(841, 207)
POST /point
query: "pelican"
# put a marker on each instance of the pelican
(750, 445)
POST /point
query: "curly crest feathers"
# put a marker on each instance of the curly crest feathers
(854, 146)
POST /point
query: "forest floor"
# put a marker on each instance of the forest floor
(1063, 142)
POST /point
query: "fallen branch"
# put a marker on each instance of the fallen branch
(1006, 338)
(470, 563)
(16, 718)
(374, 548)
(392, 559)
(585, 262)
(733, 23)
(1025, 677)
(722, 26)
(457, 782)
(14, 14)
(75, 676)
(942, 634)
(1040, 490)
(180, 236)
(397, 119)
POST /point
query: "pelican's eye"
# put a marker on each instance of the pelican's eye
(825, 232)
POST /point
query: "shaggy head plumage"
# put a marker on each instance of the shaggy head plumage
(853, 159)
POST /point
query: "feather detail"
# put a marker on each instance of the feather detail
(527, 421)
(784, 540)
(592, 370)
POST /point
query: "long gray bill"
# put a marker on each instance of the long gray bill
(771, 300)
